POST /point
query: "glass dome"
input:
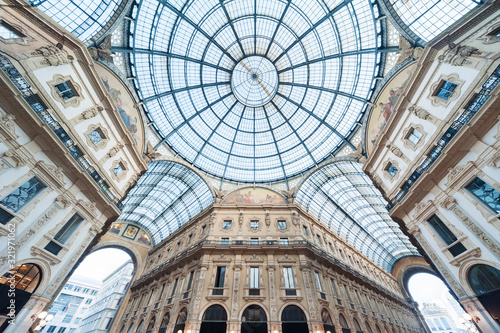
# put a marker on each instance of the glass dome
(83, 18)
(255, 91)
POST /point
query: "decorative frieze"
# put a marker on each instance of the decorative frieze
(423, 114)
(7, 128)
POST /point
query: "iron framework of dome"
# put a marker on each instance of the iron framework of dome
(255, 91)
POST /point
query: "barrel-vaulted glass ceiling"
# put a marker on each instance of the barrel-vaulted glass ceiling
(165, 197)
(342, 196)
(255, 90)
(83, 18)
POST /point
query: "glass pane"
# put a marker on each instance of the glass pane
(442, 230)
(486, 193)
(68, 229)
(96, 136)
(22, 195)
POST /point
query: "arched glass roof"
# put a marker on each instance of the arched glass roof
(342, 196)
(255, 90)
(83, 18)
(428, 18)
(165, 197)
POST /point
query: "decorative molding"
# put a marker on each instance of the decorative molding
(254, 259)
(474, 253)
(407, 51)
(386, 173)
(88, 208)
(489, 37)
(24, 40)
(459, 173)
(105, 136)
(124, 171)
(113, 151)
(397, 152)
(52, 172)
(7, 128)
(423, 114)
(37, 225)
(16, 158)
(53, 56)
(286, 259)
(453, 78)
(49, 257)
(222, 259)
(457, 55)
(74, 101)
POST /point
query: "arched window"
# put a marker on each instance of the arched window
(151, 324)
(378, 329)
(131, 328)
(180, 323)
(139, 328)
(294, 320)
(438, 324)
(164, 323)
(214, 319)
(344, 324)
(254, 320)
(445, 323)
(484, 279)
(327, 321)
(368, 327)
(357, 326)
(25, 278)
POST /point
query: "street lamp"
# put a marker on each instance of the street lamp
(44, 319)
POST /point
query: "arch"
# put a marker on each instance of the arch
(293, 320)
(165, 197)
(327, 321)
(484, 280)
(357, 325)
(214, 319)
(406, 272)
(335, 195)
(131, 328)
(180, 322)
(25, 279)
(368, 327)
(151, 324)
(343, 322)
(139, 327)
(164, 322)
(254, 319)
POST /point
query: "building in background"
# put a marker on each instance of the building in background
(439, 320)
(102, 311)
(72, 304)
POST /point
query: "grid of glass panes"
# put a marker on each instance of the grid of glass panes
(65, 90)
(227, 224)
(96, 136)
(414, 136)
(325, 54)
(288, 277)
(342, 197)
(254, 224)
(83, 18)
(165, 197)
(428, 18)
(118, 169)
(445, 90)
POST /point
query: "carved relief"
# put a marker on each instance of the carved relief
(491, 35)
(7, 128)
(53, 56)
(289, 194)
(53, 172)
(397, 152)
(152, 154)
(15, 158)
(423, 114)
(408, 51)
(457, 55)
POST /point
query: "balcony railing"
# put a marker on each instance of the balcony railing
(318, 251)
(472, 108)
(24, 87)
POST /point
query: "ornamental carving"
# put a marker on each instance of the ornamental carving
(53, 55)
(422, 114)
(15, 158)
(448, 202)
(457, 55)
(113, 151)
(7, 128)
(476, 230)
(433, 93)
(289, 194)
(103, 132)
(38, 224)
(53, 172)
(91, 112)
(491, 35)
(89, 207)
(73, 101)
(407, 51)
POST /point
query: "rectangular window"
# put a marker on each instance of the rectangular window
(68, 229)
(175, 287)
(190, 282)
(359, 298)
(118, 169)
(282, 225)
(18, 198)
(445, 90)
(304, 229)
(445, 233)
(226, 225)
(203, 229)
(319, 239)
(414, 136)
(347, 294)
(9, 32)
(61, 330)
(318, 281)
(53, 248)
(220, 276)
(254, 277)
(284, 241)
(288, 277)
(334, 288)
(486, 193)
(254, 241)
(331, 246)
(391, 169)
(96, 136)
(65, 90)
(224, 241)
(51, 329)
(254, 225)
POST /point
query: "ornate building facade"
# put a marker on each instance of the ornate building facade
(270, 166)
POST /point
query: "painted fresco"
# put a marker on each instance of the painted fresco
(251, 196)
(116, 228)
(384, 105)
(124, 103)
(144, 238)
(130, 232)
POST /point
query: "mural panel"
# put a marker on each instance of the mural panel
(251, 196)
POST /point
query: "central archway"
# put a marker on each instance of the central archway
(254, 320)
(293, 320)
(214, 320)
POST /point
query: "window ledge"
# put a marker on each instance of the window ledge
(476, 252)
(52, 259)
